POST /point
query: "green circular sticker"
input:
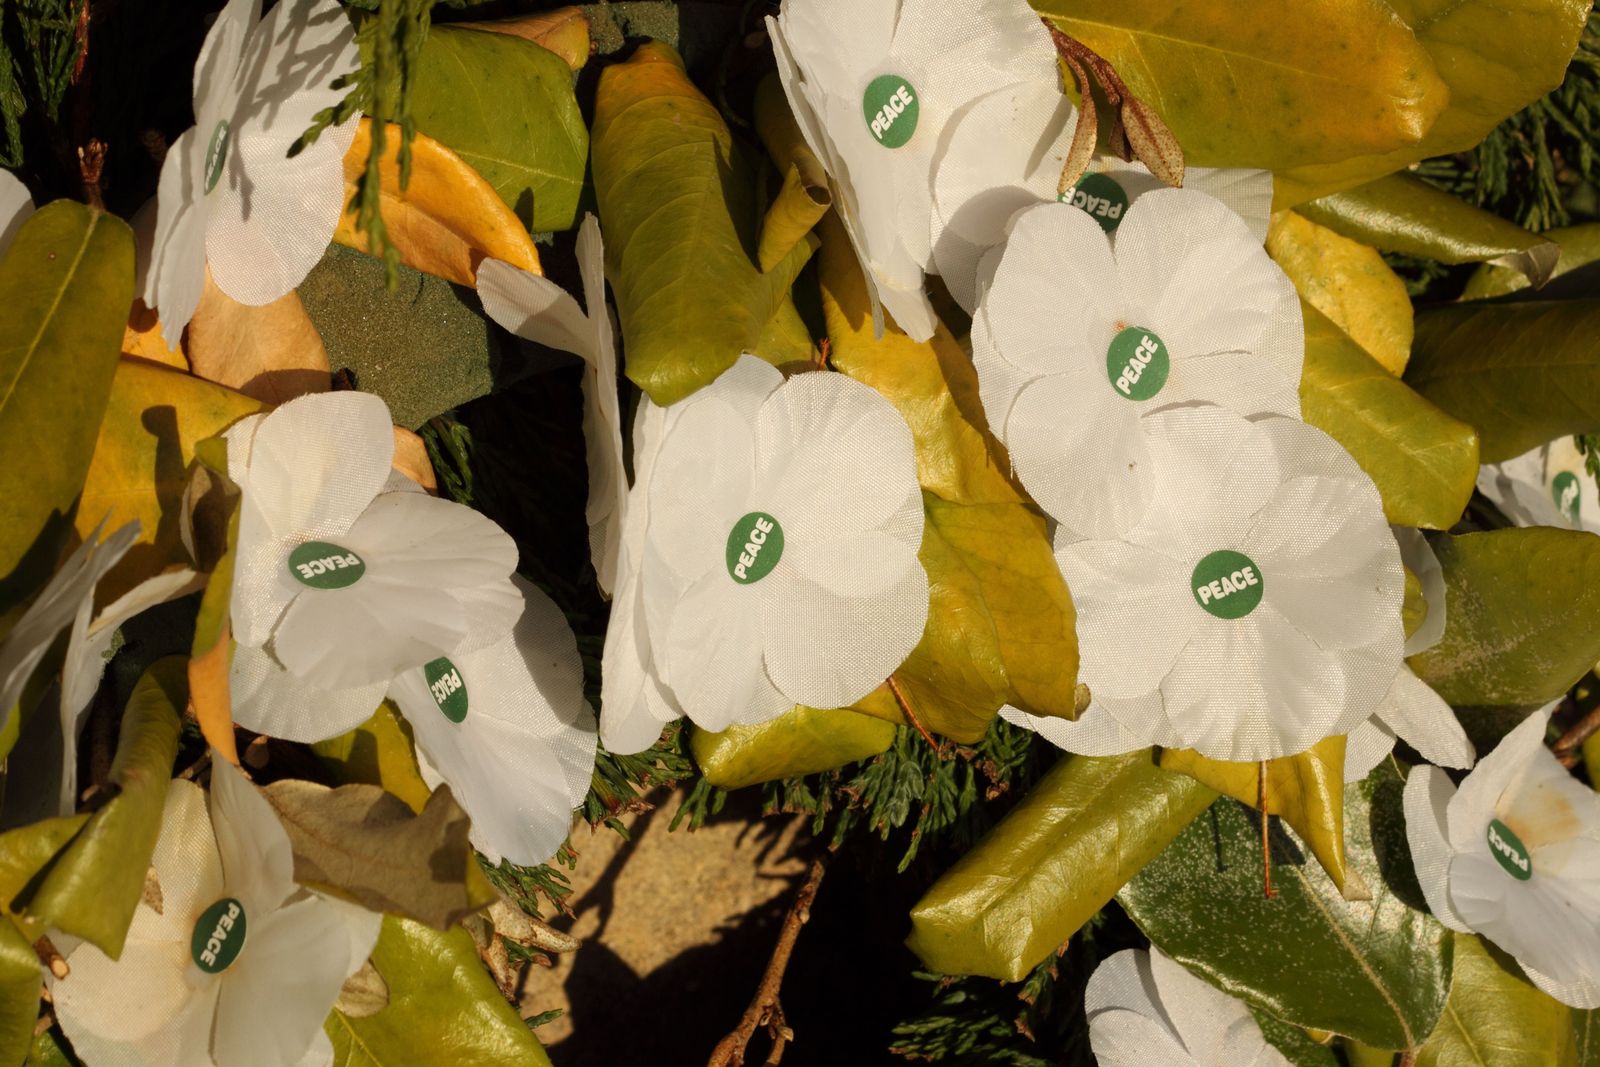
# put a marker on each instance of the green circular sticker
(216, 154)
(1136, 363)
(755, 544)
(1509, 851)
(218, 936)
(449, 691)
(1100, 197)
(325, 566)
(1565, 491)
(890, 106)
(1227, 584)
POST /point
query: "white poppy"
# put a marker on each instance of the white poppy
(1005, 153)
(1514, 855)
(1546, 486)
(230, 196)
(508, 728)
(537, 309)
(1144, 1008)
(779, 558)
(1079, 337)
(15, 207)
(873, 85)
(236, 965)
(1255, 608)
(339, 582)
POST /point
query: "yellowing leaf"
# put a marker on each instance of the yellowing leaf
(270, 352)
(378, 752)
(801, 741)
(804, 196)
(411, 459)
(1496, 1016)
(19, 993)
(1349, 283)
(446, 221)
(1414, 612)
(142, 339)
(564, 31)
(1580, 245)
(681, 218)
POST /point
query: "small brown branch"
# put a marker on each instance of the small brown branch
(1567, 749)
(911, 716)
(764, 1009)
(1266, 842)
(51, 958)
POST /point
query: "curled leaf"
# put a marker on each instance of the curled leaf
(564, 31)
(800, 741)
(271, 353)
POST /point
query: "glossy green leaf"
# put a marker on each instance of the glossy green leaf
(444, 1010)
(25, 851)
(1524, 618)
(1424, 462)
(681, 222)
(1241, 87)
(1496, 58)
(1297, 1046)
(800, 741)
(1580, 246)
(20, 985)
(1586, 1037)
(1082, 831)
(506, 106)
(50, 1051)
(1496, 1016)
(1414, 612)
(92, 886)
(1376, 970)
(379, 752)
(1402, 213)
(66, 284)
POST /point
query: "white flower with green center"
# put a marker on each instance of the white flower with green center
(237, 964)
(539, 310)
(1514, 855)
(779, 556)
(230, 197)
(341, 581)
(1145, 1009)
(1255, 608)
(1081, 335)
(508, 728)
(874, 85)
(1546, 486)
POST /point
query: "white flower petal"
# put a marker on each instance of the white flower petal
(633, 704)
(1097, 732)
(257, 862)
(1247, 193)
(701, 484)
(1424, 721)
(1481, 792)
(1427, 797)
(1239, 381)
(1418, 556)
(214, 68)
(1135, 614)
(15, 207)
(1582, 993)
(710, 656)
(999, 382)
(533, 307)
(176, 274)
(270, 700)
(1516, 486)
(1366, 746)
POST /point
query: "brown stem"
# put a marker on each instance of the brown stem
(51, 958)
(764, 1009)
(911, 716)
(1266, 844)
(1567, 748)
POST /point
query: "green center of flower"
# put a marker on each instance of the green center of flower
(890, 105)
(1227, 584)
(216, 154)
(218, 936)
(1509, 851)
(1137, 363)
(755, 544)
(449, 691)
(1101, 198)
(322, 565)
(1565, 491)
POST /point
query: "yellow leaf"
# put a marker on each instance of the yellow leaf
(270, 352)
(564, 31)
(446, 221)
(800, 741)
(379, 752)
(411, 459)
(142, 339)
(804, 197)
(1349, 283)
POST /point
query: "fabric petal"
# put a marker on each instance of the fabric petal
(534, 308)
(1478, 799)
(1366, 746)
(1135, 614)
(176, 275)
(257, 862)
(1418, 557)
(137, 1011)
(1581, 993)
(710, 655)
(1427, 797)
(999, 382)
(1094, 733)
(15, 208)
(1424, 721)
(270, 700)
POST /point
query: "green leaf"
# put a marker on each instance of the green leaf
(92, 886)
(1241, 87)
(681, 221)
(1405, 214)
(444, 1009)
(1522, 373)
(50, 1051)
(1496, 58)
(1495, 1015)
(505, 105)
(66, 285)
(1082, 831)
(1377, 970)
(1524, 616)
(20, 985)
(1586, 1037)
(1414, 612)
(25, 851)
(1580, 245)
(1297, 1046)
(800, 741)
(1424, 462)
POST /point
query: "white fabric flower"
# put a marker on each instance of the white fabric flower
(1005, 153)
(238, 966)
(779, 558)
(508, 728)
(340, 583)
(537, 309)
(1514, 855)
(15, 207)
(1252, 612)
(1145, 1009)
(874, 85)
(1547, 486)
(230, 197)
(1080, 337)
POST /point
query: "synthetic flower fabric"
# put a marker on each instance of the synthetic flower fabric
(15, 207)
(231, 198)
(237, 965)
(1080, 336)
(874, 85)
(1514, 855)
(1547, 486)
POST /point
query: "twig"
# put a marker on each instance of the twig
(51, 958)
(1266, 842)
(911, 716)
(764, 1009)
(1567, 748)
